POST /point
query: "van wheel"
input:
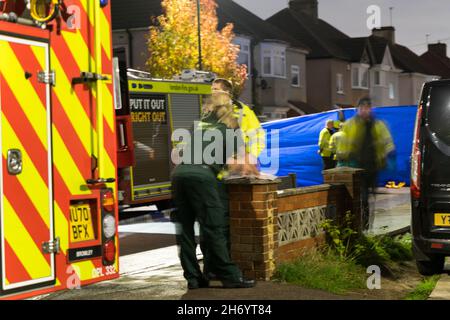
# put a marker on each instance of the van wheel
(432, 267)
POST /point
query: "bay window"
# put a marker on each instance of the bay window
(244, 57)
(360, 76)
(295, 76)
(273, 60)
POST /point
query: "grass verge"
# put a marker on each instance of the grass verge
(331, 270)
(326, 271)
(424, 289)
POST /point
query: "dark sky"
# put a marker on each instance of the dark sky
(413, 19)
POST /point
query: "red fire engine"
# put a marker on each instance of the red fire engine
(58, 204)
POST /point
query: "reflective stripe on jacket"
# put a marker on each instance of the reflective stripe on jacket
(324, 143)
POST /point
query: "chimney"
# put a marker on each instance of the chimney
(439, 49)
(309, 7)
(387, 33)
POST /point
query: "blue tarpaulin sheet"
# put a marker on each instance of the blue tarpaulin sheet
(298, 144)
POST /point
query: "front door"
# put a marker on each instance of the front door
(26, 194)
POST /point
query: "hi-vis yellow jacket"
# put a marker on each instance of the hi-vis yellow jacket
(324, 143)
(354, 134)
(335, 145)
(254, 135)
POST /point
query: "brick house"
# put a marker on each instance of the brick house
(414, 72)
(436, 60)
(338, 66)
(276, 61)
(341, 69)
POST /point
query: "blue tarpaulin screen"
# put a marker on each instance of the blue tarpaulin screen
(298, 144)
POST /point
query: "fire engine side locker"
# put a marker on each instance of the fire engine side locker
(183, 107)
(26, 186)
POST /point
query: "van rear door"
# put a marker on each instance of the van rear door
(436, 161)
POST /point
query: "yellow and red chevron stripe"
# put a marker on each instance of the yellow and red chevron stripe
(82, 128)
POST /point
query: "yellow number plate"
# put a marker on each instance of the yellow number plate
(442, 219)
(81, 228)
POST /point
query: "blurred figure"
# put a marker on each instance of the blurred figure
(336, 146)
(324, 145)
(367, 145)
(199, 196)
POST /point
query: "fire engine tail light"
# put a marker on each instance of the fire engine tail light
(109, 251)
(109, 226)
(108, 201)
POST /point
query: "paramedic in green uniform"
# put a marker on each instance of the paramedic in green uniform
(254, 138)
(198, 197)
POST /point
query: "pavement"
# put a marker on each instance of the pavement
(392, 208)
(157, 275)
(442, 290)
(150, 269)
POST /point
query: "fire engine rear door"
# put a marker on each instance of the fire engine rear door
(26, 193)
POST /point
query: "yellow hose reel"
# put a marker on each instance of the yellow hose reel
(44, 11)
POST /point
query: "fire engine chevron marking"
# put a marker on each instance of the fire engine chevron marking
(67, 168)
(10, 68)
(79, 49)
(104, 23)
(72, 105)
(23, 245)
(15, 271)
(30, 178)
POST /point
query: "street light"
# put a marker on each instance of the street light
(200, 64)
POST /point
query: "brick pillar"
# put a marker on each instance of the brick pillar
(351, 179)
(253, 226)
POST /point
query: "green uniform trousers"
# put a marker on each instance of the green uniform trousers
(197, 197)
(225, 228)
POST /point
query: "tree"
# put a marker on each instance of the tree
(173, 42)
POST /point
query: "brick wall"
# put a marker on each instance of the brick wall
(269, 227)
(336, 202)
(253, 208)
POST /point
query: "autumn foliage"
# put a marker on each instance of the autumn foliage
(173, 42)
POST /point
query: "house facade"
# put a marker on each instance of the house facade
(436, 59)
(276, 62)
(337, 65)
(341, 69)
(414, 73)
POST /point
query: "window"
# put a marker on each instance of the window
(244, 52)
(365, 78)
(379, 78)
(295, 76)
(391, 91)
(355, 77)
(360, 76)
(273, 60)
(340, 83)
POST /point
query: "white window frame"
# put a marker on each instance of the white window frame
(242, 43)
(382, 75)
(340, 83)
(295, 71)
(391, 87)
(273, 51)
(362, 68)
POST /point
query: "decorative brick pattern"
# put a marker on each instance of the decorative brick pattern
(302, 224)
